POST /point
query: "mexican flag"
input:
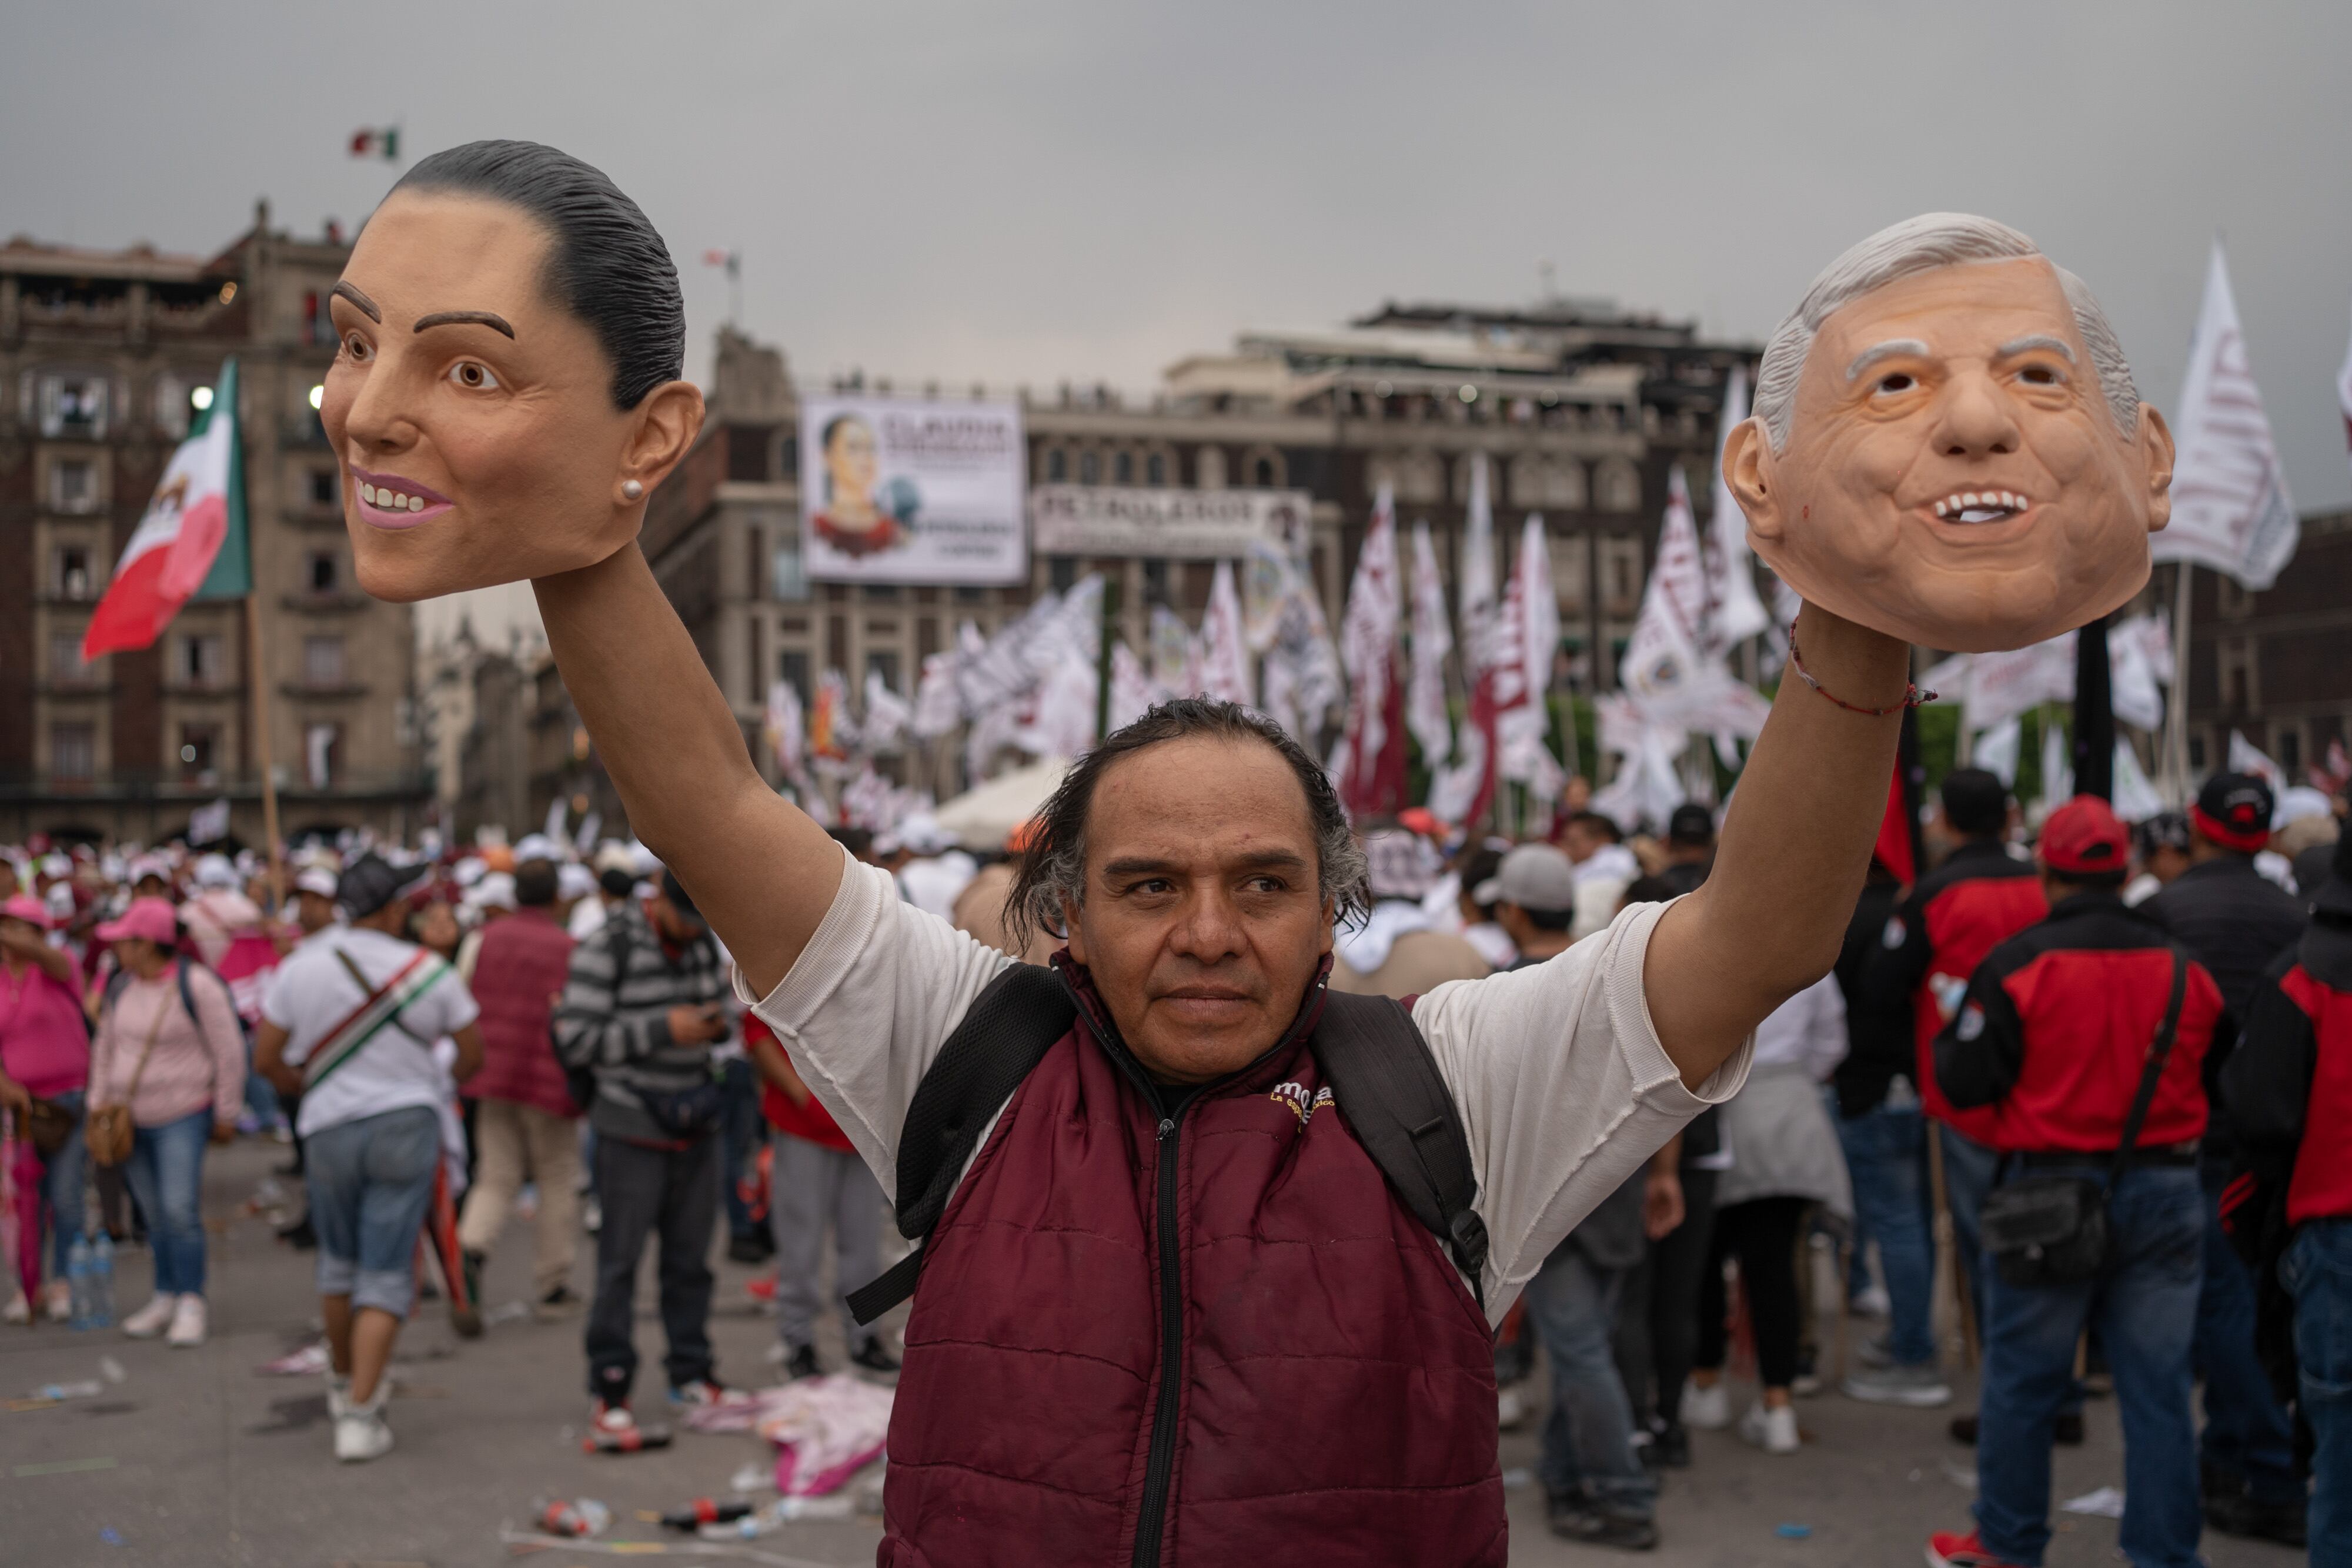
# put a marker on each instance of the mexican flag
(192, 542)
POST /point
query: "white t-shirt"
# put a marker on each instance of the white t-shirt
(1562, 1086)
(312, 992)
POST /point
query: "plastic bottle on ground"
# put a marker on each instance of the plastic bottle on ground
(101, 1281)
(78, 1265)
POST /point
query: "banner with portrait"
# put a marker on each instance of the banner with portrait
(912, 490)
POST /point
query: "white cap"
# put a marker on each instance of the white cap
(315, 879)
(573, 880)
(495, 891)
(214, 871)
(536, 847)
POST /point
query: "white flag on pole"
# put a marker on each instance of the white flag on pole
(2245, 757)
(1734, 612)
(1425, 712)
(1663, 664)
(2057, 770)
(1530, 641)
(1225, 652)
(886, 715)
(787, 740)
(2231, 509)
(1997, 751)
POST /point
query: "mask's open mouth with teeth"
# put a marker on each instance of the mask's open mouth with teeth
(1982, 506)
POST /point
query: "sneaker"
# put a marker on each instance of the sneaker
(613, 1430)
(2285, 1522)
(801, 1363)
(1807, 1382)
(1871, 1301)
(702, 1393)
(1921, 1387)
(1510, 1408)
(1599, 1525)
(872, 1355)
(187, 1330)
(339, 1395)
(152, 1319)
(1708, 1409)
(2066, 1431)
(560, 1302)
(361, 1433)
(58, 1306)
(1946, 1549)
(18, 1310)
(1772, 1429)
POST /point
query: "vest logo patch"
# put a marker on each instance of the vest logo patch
(1296, 1096)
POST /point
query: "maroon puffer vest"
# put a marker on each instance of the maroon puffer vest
(525, 961)
(1332, 1378)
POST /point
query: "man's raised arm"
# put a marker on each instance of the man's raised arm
(1770, 918)
(761, 872)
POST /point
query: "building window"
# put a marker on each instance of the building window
(323, 660)
(786, 575)
(1122, 468)
(1061, 570)
(73, 484)
(1155, 470)
(73, 751)
(73, 408)
(1089, 468)
(1263, 475)
(171, 405)
(966, 594)
(2289, 750)
(323, 754)
(793, 669)
(321, 572)
(323, 490)
(199, 750)
(2197, 753)
(71, 578)
(1619, 484)
(881, 594)
(1155, 580)
(65, 658)
(1058, 464)
(203, 659)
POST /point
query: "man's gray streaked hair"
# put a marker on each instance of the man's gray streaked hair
(1921, 244)
(1051, 877)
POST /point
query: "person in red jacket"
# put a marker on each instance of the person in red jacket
(2053, 1037)
(527, 1125)
(2288, 1087)
(815, 1179)
(1980, 897)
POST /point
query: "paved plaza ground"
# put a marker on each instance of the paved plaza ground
(193, 1459)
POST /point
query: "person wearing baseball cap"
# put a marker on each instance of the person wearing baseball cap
(2290, 1100)
(2235, 921)
(349, 1023)
(2053, 1034)
(1690, 847)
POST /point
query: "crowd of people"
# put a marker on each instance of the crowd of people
(437, 1031)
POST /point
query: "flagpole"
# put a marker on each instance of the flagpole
(258, 672)
(2176, 719)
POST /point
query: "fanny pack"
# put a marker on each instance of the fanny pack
(2053, 1229)
(685, 1113)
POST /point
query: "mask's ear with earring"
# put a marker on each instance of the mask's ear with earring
(632, 489)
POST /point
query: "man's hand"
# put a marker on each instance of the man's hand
(224, 1132)
(697, 1026)
(1662, 1204)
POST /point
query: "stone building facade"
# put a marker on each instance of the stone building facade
(2274, 666)
(104, 355)
(1581, 409)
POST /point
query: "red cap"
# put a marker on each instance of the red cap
(2084, 838)
(153, 918)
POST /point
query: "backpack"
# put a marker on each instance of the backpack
(1383, 1077)
(180, 964)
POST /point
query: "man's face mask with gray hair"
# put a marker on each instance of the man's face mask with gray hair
(1948, 446)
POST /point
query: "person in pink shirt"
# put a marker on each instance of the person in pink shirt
(44, 1054)
(169, 1046)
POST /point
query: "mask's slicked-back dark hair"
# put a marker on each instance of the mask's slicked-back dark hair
(1053, 869)
(606, 264)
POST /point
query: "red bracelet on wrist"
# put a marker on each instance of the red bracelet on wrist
(1912, 695)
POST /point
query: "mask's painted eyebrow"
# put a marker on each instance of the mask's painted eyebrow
(360, 302)
(2058, 346)
(1886, 350)
(489, 319)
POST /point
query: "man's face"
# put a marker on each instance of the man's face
(313, 912)
(1953, 476)
(1204, 919)
(472, 415)
(1578, 843)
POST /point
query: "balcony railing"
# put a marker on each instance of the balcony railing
(174, 785)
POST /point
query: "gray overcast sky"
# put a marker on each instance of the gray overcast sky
(1030, 191)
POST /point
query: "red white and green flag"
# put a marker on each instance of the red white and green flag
(192, 544)
(377, 141)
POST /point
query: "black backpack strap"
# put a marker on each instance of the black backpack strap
(1386, 1083)
(1003, 1035)
(2159, 1051)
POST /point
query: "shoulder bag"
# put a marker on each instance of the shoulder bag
(110, 1130)
(2053, 1229)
